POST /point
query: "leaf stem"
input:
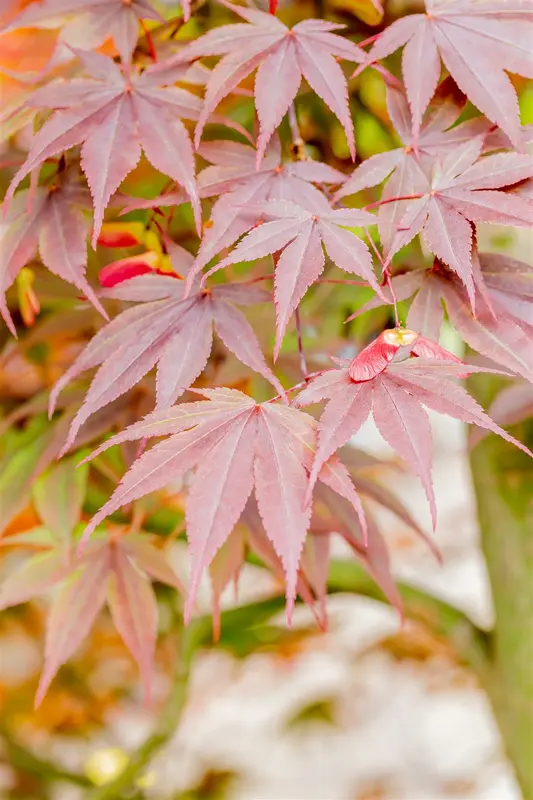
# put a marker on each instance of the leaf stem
(392, 200)
(149, 41)
(303, 362)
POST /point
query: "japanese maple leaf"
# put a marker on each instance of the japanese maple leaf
(501, 328)
(50, 221)
(88, 23)
(165, 329)
(240, 184)
(395, 393)
(117, 570)
(331, 515)
(400, 167)
(234, 444)
(462, 189)
(282, 56)
(478, 41)
(114, 115)
(300, 234)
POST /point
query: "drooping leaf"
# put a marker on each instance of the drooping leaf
(116, 570)
(395, 396)
(133, 609)
(73, 613)
(234, 443)
(49, 221)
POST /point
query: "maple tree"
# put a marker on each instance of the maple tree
(181, 197)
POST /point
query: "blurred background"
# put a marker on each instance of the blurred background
(369, 710)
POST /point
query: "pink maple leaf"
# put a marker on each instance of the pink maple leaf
(115, 114)
(282, 57)
(165, 329)
(300, 234)
(501, 328)
(118, 570)
(463, 189)
(48, 220)
(400, 167)
(235, 177)
(234, 444)
(396, 397)
(478, 42)
(88, 23)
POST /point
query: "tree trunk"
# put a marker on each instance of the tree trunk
(503, 481)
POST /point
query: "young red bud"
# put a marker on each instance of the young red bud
(378, 354)
(122, 234)
(126, 268)
(28, 301)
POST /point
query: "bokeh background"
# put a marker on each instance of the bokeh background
(369, 710)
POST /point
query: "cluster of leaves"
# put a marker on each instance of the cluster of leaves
(262, 476)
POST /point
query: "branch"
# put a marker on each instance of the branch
(165, 728)
(24, 760)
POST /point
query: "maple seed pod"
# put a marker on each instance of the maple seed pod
(126, 268)
(378, 354)
(122, 234)
(28, 301)
(400, 337)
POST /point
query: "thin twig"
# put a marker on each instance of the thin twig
(342, 281)
(303, 362)
(379, 203)
(149, 41)
(385, 269)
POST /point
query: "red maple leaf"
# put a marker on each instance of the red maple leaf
(400, 167)
(457, 191)
(117, 570)
(235, 177)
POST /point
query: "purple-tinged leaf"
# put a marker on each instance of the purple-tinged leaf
(405, 426)
(218, 495)
(305, 51)
(280, 487)
(344, 415)
(477, 44)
